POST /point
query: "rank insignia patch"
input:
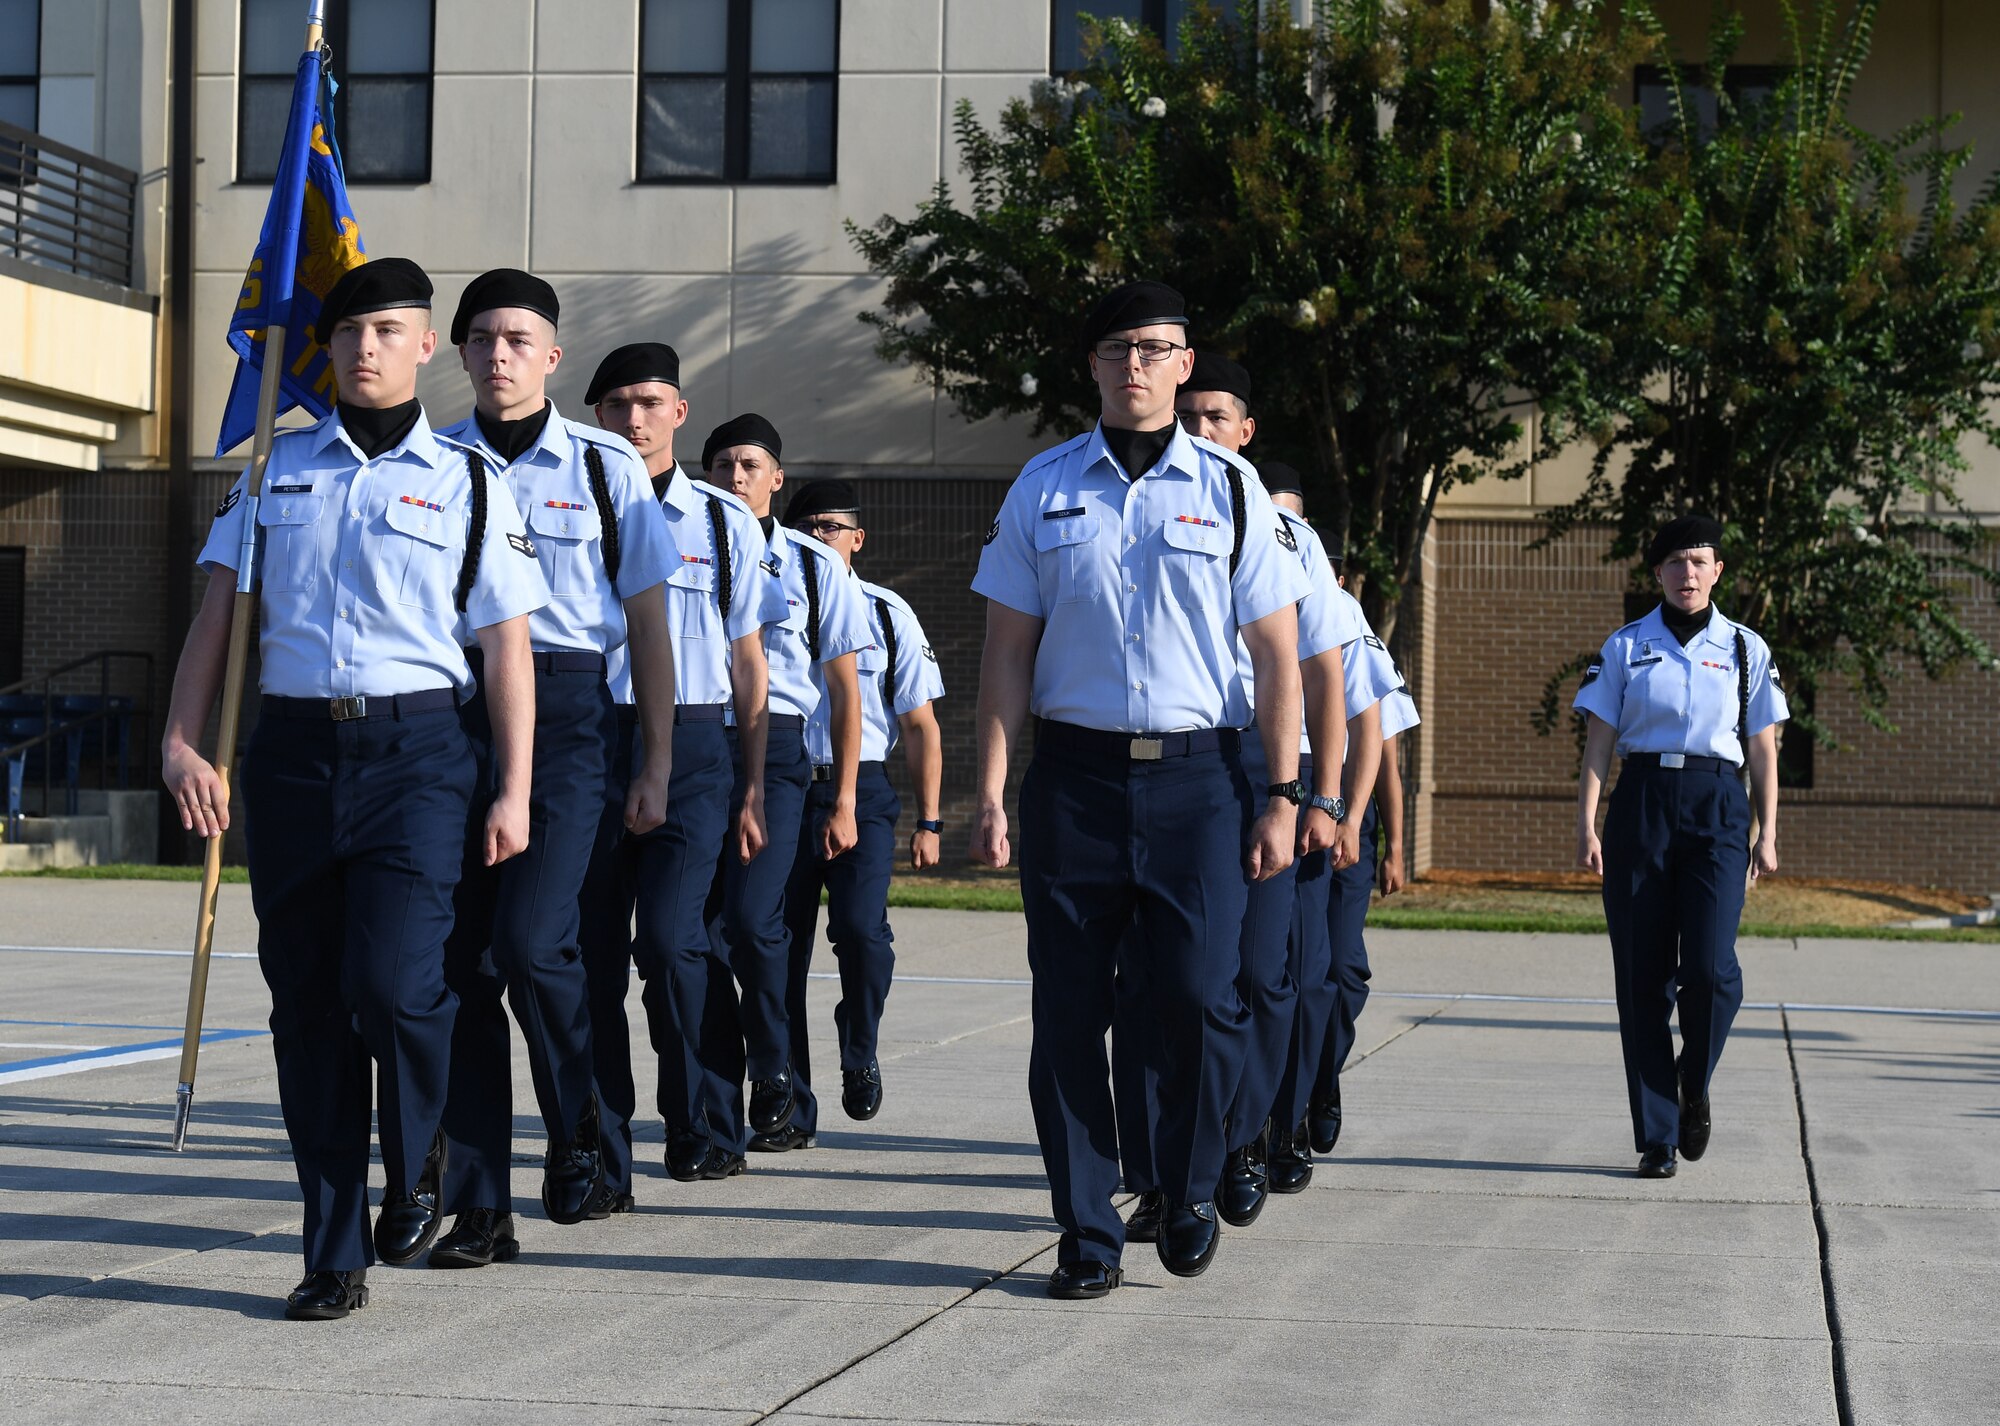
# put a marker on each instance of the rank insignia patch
(522, 544)
(229, 502)
(928, 654)
(1373, 642)
(1287, 538)
(771, 566)
(1590, 675)
(993, 532)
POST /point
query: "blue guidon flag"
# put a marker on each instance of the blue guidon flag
(311, 237)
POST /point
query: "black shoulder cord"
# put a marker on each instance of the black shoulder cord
(600, 491)
(468, 569)
(812, 604)
(1742, 695)
(889, 647)
(724, 588)
(1237, 515)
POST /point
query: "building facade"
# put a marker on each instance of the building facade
(682, 170)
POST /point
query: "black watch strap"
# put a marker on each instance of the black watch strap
(1293, 792)
(930, 824)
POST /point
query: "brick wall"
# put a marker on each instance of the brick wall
(1921, 805)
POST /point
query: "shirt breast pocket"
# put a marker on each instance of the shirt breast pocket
(420, 558)
(873, 659)
(563, 540)
(1197, 561)
(291, 541)
(688, 589)
(1066, 556)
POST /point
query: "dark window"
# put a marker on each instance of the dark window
(13, 613)
(738, 91)
(20, 62)
(1162, 17)
(1652, 90)
(382, 111)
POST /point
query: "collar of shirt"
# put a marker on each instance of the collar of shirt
(421, 444)
(681, 493)
(1182, 457)
(1720, 634)
(550, 448)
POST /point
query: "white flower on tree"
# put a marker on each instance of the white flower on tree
(1154, 108)
(1029, 386)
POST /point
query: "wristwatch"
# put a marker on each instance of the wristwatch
(1293, 792)
(930, 825)
(1334, 807)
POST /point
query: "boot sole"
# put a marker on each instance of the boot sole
(1088, 1294)
(460, 1258)
(356, 1302)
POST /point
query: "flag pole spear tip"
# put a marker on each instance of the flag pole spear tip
(183, 1107)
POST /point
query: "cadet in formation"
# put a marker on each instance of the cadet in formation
(720, 603)
(378, 538)
(603, 547)
(1119, 573)
(811, 649)
(1688, 698)
(898, 680)
(1214, 404)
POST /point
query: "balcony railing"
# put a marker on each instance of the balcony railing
(64, 209)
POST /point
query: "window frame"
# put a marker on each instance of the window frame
(336, 41)
(1152, 16)
(737, 77)
(32, 82)
(1735, 79)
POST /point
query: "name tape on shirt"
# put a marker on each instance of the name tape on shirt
(1644, 663)
(522, 544)
(229, 502)
(1056, 514)
(290, 489)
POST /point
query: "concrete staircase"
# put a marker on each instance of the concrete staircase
(107, 827)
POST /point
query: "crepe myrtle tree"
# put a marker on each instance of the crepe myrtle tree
(1818, 348)
(1406, 219)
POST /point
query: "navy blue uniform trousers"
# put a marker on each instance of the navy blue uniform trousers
(665, 875)
(517, 930)
(1676, 853)
(1265, 985)
(746, 919)
(857, 922)
(354, 833)
(1108, 846)
(1309, 957)
(1345, 989)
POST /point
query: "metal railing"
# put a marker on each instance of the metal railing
(65, 209)
(34, 715)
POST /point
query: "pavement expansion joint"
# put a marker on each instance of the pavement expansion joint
(1842, 1399)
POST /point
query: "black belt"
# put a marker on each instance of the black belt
(551, 660)
(823, 772)
(786, 720)
(351, 710)
(1683, 762)
(1135, 747)
(699, 712)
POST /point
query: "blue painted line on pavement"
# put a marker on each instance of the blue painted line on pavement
(13, 1070)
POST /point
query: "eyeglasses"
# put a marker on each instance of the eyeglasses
(1151, 351)
(825, 529)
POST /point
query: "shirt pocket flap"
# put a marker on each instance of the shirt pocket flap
(1070, 530)
(558, 523)
(795, 613)
(692, 574)
(289, 509)
(1197, 538)
(419, 522)
(873, 659)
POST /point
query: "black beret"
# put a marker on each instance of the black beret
(749, 429)
(823, 497)
(1688, 532)
(379, 285)
(503, 287)
(1135, 304)
(632, 365)
(1281, 479)
(1218, 373)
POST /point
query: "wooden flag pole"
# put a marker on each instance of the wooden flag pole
(232, 680)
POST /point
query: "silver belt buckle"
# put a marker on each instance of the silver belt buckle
(346, 710)
(1673, 760)
(1148, 750)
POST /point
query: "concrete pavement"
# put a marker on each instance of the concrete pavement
(1477, 1248)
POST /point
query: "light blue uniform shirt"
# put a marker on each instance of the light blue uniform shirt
(843, 624)
(1131, 580)
(1367, 674)
(1663, 698)
(551, 485)
(1329, 617)
(917, 678)
(1399, 712)
(693, 592)
(360, 563)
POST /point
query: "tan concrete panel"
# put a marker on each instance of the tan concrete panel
(77, 347)
(998, 443)
(54, 416)
(69, 111)
(217, 30)
(38, 447)
(73, 36)
(983, 35)
(1979, 487)
(589, 215)
(800, 355)
(892, 35)
(486, 36)
(1898, 84)
(888, 160)
(587, 37)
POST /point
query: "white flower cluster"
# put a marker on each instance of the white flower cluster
(1154, 108)
(1029, 386)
